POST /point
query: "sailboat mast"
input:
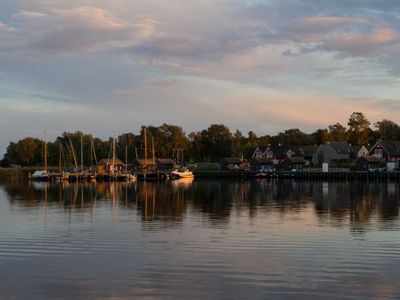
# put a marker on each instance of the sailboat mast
(81, 152)
(113, 161)
(145, 147)
(152, 145)
(59, 159)
(45, 151)
(126, 158)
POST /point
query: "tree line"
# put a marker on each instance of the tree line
(208, 145)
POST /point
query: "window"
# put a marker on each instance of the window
(378, 153)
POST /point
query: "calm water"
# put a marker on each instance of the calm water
(201, 239)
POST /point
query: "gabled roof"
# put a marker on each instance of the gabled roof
(341, 147)
(279, 150)
(109, 162)
(231, 160)
(262, 148)
(392, 147)
(144, 162)
(165, 161)
(356, 149)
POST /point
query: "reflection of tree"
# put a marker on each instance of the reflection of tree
(214, 198)
(160, 202)
(356, 202)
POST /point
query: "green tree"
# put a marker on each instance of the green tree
(218, 142)
(320, 136)
(238, 141)
(294, 136)
(338, 133)
(196, 147)
(28, 151)
(358, 128)
(388, 129)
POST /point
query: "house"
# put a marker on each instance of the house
(360, 151)
(165, 164)
(108, 165)
(140, 165)
(294, 163)
(366, 163)
(231, 164)
(262, 165)
(386, 150)
(277, 153)
(309, 152)
(334, 153)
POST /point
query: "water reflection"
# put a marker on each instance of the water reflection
(358, 205)
(200, 239)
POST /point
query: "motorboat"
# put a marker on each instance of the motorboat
(40, 176)
(181, 172)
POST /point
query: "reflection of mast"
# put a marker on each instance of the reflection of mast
(45, 205)
(145, 202)
(154, 199)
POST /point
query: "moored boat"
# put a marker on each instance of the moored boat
(40, 176)
(181, 172)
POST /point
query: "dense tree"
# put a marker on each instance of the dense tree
(218, 142)
(209, 145)
(338, 133)
(196, 149)
(28, 151)
(320, 136)
(294, 136)
(387, 129)
(238, 142)
(358, 128)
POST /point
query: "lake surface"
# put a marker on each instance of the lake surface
(200, 240)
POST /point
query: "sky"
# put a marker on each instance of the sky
(108, 67)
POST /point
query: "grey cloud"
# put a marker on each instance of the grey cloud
(77, 30)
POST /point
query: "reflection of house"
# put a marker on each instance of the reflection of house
(292, 163)
(360, 151)
(231, 164)
(387, 150)
(165, 164)
(109, 165)
(369, 162)
(262, 165)
(333, 153)
(143, 164)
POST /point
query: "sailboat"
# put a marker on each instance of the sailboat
(42, 175)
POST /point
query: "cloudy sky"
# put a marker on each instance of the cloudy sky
(107, 67)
